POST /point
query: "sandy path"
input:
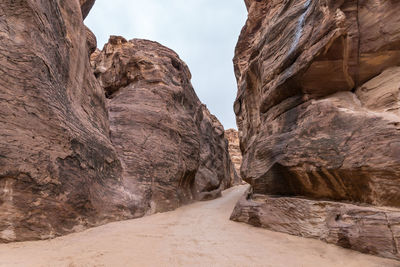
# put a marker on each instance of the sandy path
(195, 235)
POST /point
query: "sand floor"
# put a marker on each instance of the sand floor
(200, 234)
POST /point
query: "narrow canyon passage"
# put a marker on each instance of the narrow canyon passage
(200, 234)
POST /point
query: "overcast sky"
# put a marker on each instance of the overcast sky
(203, 32)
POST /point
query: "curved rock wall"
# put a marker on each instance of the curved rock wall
(70, 158)
(86, 5)
(58, 168)
(171, 147)
(318, 102)
(303, 129)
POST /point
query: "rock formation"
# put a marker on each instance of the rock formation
(234, 149)
(60, 172)
(86, 5)
(58, 168)
(318, 116)
(170, 145)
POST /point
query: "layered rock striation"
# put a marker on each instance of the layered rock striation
(318, 116)
(58, 168)
(70, 158)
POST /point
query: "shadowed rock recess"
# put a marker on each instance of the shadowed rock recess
(319, 120)
(72, 159)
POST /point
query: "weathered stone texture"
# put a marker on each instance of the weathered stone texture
(234, 149)
(91, 41)
(302, 128)
(70, 158)
(371, 230)
(86, 5)
(168, 141)
(318, 100)
(58, 168)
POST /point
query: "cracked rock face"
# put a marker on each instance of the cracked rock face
(318, 101)
(170, 145)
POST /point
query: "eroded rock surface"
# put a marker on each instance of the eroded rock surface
(373, 230)
(70, 158)
(86, 5)
(318, 101)
(58, 169)
(171, 147)
(234, 149)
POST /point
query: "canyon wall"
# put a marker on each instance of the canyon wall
(58, 168)
(319, 120)
(234, 149)
(65, 160)
(172, 149)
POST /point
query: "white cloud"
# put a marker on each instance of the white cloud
(203, 32)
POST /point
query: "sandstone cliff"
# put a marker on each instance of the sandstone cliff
(234, 149)
(172, 149)
(58, 168)
(318, 115)
(64, 156)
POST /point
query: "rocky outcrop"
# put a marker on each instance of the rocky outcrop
(234, 149)
(86, 5)
(317, 110)
(171, 147)
(216, 169)
(368, 229)
(70, 158)
(91, 41)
